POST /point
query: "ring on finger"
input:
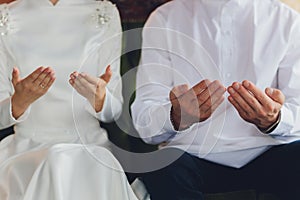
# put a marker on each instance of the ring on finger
(42, 86)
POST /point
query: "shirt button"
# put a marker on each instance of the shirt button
(228, 53)
(227, 32)
(228, 75)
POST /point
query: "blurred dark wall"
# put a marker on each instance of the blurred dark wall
(137, 10)
(134, 14)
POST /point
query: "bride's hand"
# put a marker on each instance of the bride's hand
(29, 89)
(92, 88)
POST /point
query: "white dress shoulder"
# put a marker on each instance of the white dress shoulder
(59, 151)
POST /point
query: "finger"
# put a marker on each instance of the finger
(72, 79)
(34, 75)
(215, 97)
(50, 82)
(209, 91)
(72, 82)
(15, 76)
(178, 91)
(45, 83)
(74, 75)
(82, 84)
(78, 86)
(91, 79)
(200, 87)
(239, 100)
(107, 75)
(237, 106)
(275, 95)
(219, 93)
(258, 94)
(39, 80)
(247, 96)
(214, 106)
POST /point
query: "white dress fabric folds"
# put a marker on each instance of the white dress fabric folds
(59, 151)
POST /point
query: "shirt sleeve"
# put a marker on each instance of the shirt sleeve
(289, 84)
(6, 90)
(151, 108)
(111, 50)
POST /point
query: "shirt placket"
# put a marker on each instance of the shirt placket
(227, 43)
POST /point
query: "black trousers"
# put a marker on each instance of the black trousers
(276, 171)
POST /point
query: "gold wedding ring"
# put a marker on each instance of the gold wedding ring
(42, 86)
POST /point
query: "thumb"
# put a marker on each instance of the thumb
(107, 75)
(275, 95)
(15, 76)
(178, 91)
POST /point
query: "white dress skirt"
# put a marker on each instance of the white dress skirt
(59, 151)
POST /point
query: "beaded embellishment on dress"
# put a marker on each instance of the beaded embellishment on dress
(103, 13)
(3, 20)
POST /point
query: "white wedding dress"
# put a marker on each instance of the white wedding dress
(59, 151)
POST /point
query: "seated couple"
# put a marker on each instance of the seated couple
(217, 85)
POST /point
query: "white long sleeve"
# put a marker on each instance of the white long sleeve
(289, 84)
(151, 108)
(6, 90)
(90, 42)
(219, 40)
(111, 49)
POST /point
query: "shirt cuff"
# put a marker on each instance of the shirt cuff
(284, 127)
(13, 120)
(111, 108)
(169, 125)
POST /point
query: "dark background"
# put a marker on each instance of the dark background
(133, 14)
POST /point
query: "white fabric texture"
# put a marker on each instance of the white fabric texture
(58, 149)
(185, 42)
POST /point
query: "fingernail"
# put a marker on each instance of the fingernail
(270, 91)
(236, 86)
(246, 83)
(181, 87)
(231, 90)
